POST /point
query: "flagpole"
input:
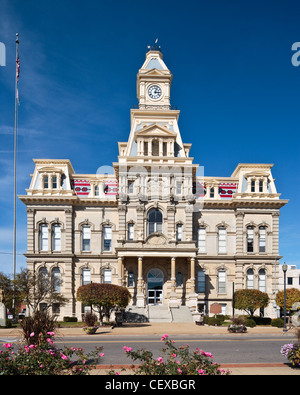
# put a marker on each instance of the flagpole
(15, 169)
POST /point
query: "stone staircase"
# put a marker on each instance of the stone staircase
(181, 314)
(158, 313)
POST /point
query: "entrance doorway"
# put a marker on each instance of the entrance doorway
(155, 282)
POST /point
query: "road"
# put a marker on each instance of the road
(225, 349)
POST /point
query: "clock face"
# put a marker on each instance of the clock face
(154, 92)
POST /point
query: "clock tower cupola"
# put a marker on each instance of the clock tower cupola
(154, 81)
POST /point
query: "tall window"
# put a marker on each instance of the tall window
(155, 221)
(86, 276)
(107, 238)
(130, 231)
(262, 280)
(253, 186)
(130, 279)
(250, 239)
(179, 279)
(202, 239)
(43, 274)
(212, 192)
(107, 276)
(56, 237)
(201, 281)
(222, 282)
(56, 279)
(179, 232)
(130, 186)
(46, 182)
(222, 239)
(262, 239)
(54, 182)
(86, 238)
(250, 279)
(44, 237)
(261, 186)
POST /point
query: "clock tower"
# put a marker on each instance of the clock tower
(154, 82)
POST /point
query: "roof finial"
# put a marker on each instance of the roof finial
(155, 46)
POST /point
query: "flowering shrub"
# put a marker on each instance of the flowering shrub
(43, 358)
(173, 361)
(292, 353)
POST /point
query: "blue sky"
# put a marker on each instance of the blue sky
(234, 83)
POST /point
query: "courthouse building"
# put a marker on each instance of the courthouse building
(178, 239)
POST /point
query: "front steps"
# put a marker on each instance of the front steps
(158, 313)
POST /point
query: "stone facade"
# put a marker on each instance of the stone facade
(155, 224)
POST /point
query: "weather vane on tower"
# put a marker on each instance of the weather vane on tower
(155, 46)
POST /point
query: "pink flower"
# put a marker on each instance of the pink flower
(31, 334)
(201, 371)
(50, 333)
(41, 366)
(179, 370)
(101, 354)
(49, 340)
(164, 337)
(160, 359)
(63, 356)
(7, 345)
(127, 349)
(174, 355)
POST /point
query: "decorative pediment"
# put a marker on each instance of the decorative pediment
(156, 239)
(257, 173)
(155, 130)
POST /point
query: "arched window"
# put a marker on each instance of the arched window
(43, 273)
(86, 276)
(250, 279)
(221, 281)
(56, 279)
(155, 221)
(262, 239)
(250, 239)
(222, 240)
(56, 237)
(262, 280)
(43, 237)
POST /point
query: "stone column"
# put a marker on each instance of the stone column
(173, 300)
(275, 233)
(192, 275)
(239, 232)
(192, 297)
(140, 298)
(30, 230)
(173, 274)
(120, 270)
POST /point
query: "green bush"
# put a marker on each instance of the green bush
(250, 323)
(262, 320)
(213, 321)
(277, 322)
(70, 319)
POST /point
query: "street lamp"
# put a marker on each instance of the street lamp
(284, 269)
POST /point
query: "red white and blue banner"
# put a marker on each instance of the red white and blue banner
(227, 189)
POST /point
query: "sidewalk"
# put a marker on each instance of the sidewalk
(177, 328)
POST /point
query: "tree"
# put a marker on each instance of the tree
(34, 289)
(250, 300)
(104, 297)
(292, 296)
